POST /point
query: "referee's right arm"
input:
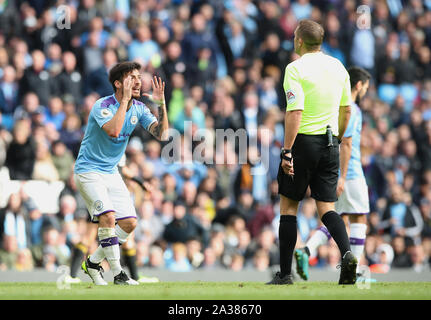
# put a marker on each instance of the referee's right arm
(345, 111)
(292, 120)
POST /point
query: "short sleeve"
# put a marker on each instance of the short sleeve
(147, 118)
(350, 127)
(346, 94)
(102, 114)
(293, 90)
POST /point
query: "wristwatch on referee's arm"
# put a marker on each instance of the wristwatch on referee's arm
(283, 154)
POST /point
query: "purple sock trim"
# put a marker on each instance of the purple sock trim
(109, 242)
(325, 231)
(357, 241)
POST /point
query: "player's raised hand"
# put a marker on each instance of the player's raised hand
(158, 86)
(127, 88)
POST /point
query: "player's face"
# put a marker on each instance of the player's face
(364, 89)
(136, 86)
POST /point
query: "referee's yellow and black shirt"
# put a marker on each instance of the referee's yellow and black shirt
(318, 85)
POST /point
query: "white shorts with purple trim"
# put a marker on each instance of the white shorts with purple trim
(104, 193)
(354, 199)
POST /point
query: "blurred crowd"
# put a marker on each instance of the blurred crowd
(223, 62)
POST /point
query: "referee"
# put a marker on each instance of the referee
(318, 96)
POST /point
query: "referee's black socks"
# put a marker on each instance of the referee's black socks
(336, 227)
(287, 235)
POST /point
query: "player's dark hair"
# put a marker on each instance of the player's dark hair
(120, 70)
(358, 74)
(311, 33)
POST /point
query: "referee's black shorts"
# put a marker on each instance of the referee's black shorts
(315, 165)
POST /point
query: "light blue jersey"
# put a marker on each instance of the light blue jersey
(101, 153)
(354, 169)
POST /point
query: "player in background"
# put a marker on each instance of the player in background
(110, 124)
(352, 190)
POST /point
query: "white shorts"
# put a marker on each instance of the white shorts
(354, 199)
(105, 193)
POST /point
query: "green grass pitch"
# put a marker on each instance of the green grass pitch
(216, 291)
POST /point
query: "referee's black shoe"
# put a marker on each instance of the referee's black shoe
(278, 279)
(348, 269)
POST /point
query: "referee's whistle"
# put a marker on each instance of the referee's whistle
(329, 136)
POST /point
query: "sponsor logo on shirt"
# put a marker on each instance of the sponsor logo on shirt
(105, 113)
(98, 204)
(134, 120)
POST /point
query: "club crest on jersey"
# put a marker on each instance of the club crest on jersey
(105, 113)
(134, 120)
(290, 96)
(98, 205)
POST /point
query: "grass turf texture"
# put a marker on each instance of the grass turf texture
(216, 291)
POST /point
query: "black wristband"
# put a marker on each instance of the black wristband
(283, 154)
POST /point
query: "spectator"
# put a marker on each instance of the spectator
(236, 43)
(401, 258)
(179, 263)
(156, 258)
(194, 252)
(54, 250)
(71, 133)
(237, 263)
(401, 217)
(203, 70)
(417, 256)
(24, 260)
(29, 108)
(198, 37)
(53, 63)
(62, 159)
(96, 28)
(261, 260)
(44, 168)
(184, 227)
(98, 81)
(8, 91)
(174, 62)
(69, 81)
(143, 48)
(13, 222)
(54, 113)
(21, 154)
(68, 206)
(265, 242)
(192, 115)
(150, 227)
(425, 208)
(8, 253)
(210, 260)
(36, 79)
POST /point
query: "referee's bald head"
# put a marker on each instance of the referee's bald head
(309, 35)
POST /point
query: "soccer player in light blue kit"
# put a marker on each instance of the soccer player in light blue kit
(352, 190)
(110, 124)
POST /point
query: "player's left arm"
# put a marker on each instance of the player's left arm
(160, 127)
(345, 109)
(345, 153)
